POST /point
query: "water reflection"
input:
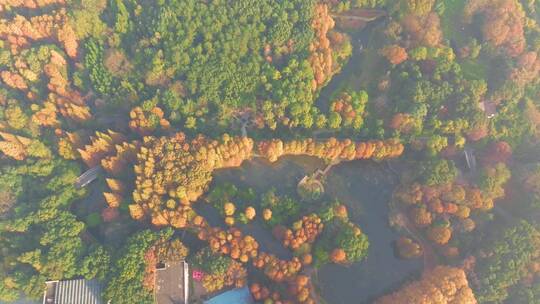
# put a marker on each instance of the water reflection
(365, 187)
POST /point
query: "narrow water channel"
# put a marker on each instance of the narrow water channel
(366, 188)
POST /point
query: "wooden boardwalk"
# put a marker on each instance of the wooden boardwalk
(87, 177)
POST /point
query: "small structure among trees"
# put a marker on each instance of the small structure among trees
(311, 187)
(470, 159)
(87, 177)
(488, 107)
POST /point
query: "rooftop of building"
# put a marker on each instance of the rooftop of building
(78, 291)
(172, 283)
(236, 296)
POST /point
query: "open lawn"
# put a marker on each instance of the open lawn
(475, 69)
(451, 19)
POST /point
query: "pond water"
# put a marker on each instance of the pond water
(366, 188)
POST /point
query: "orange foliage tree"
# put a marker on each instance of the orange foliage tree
(144, 122)
(424, 30)
(275, 269)
(331, 149)
(236, 275)
(14, 146)
(421, 217)
(46, 116)
(503, 24)
(69, 102)
(321, 51)
(13, 80)
(113, 199)
(402, 122)
(102, 145)
(440, 235)
(428, 204)
(19, 31)
(126, 153)
(30, 4)
(394, 54)
(407, 248)
(419, 7)
(350, 107)
(181, 170)
(304, 231)
(232, 242)
(338, 256)
(443, 284)
(299, 290)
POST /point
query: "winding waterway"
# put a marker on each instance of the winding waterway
(366, 188)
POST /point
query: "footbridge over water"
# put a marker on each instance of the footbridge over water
(87, 177)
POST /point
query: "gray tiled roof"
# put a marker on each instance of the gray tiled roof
(172, 284)
(77, 292)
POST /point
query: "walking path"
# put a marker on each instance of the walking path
(360, 14)
(87, 177)
(430, 258)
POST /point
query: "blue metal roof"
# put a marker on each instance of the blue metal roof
(236, 296)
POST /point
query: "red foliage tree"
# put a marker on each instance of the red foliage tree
(527, 68)
(109, 214)
(424, 30)
(321, 52)
(394, 53)
(496, 152)
(504, 22)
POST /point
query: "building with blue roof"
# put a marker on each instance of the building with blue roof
(235, 296)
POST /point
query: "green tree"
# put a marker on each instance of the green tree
(334, 120)
(100, 78)
(437, 172)
(210, 262)
(122, 22)
(493, 179)
(124, 284)
(15, 117)
(354, 243)
(38, 149)
(510, 252)
(435, 144)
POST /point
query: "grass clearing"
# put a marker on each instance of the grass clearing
(475, 69)
(451, 20)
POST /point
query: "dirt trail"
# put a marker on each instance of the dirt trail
(360, 14)
(430, 258)
(399, 217)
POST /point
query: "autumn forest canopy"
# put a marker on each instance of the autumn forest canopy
(123, 124)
